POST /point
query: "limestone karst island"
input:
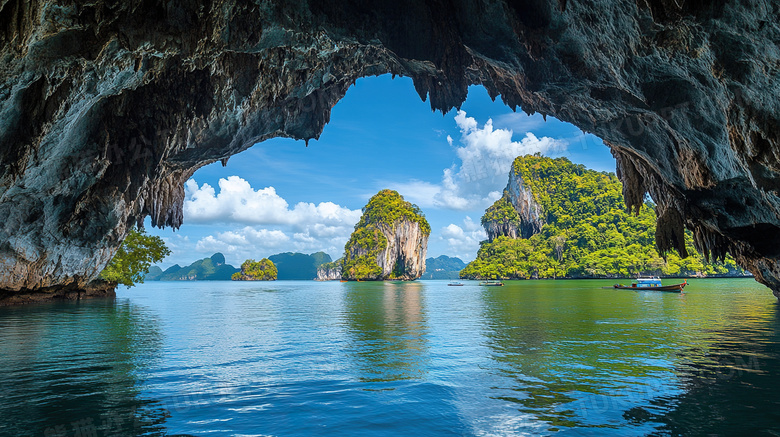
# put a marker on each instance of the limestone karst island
(389, 242)
(389, 218)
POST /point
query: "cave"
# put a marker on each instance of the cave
(107, 108)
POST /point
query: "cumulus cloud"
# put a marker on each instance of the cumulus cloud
(250, 242)
(463, 241)
(486, 154)
(238, 202)
(262, 222)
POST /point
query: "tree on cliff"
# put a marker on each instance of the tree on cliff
(132, 261)
(587, 231)
(251, 270)
(366, 253)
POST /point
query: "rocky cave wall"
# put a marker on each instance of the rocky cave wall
(106, 108)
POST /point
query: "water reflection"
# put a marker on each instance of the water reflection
(731, 386)
(564, 352)
(636, 363)
(388, 327)
(73, 369)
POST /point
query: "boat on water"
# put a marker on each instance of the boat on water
(492, 283)
(653, 284)
(455, 284)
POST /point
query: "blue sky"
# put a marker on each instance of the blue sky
(281, 196)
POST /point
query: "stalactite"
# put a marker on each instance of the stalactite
(164, 199)
(670, 232)
(634, 189)
(678, 90)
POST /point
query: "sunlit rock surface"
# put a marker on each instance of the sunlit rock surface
(389, 242)
(402, 258)
(329, 271)
(517, 214)
(107, 108)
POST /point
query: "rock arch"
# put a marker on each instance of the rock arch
(107, 108)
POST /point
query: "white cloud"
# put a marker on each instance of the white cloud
(463, 241)
(261, 223)
(250, 242)
(486, 155)
(238, 202)
(244, 243)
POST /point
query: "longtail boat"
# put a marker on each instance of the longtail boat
(652, 284)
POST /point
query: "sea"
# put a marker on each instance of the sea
(306, 358)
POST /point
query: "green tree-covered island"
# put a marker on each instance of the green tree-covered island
(557, 219)
(251, 270)
(389, 242)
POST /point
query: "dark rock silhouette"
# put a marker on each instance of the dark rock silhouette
(106, 109)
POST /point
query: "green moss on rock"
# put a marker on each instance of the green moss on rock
(251, 270)
(384, 212)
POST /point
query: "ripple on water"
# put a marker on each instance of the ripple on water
(308, 358)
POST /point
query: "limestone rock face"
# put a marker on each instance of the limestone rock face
(495, 229)
(329, 271)
(389, 242)
(107, 108)
(529, 211)
(517, 214)
(407, 246)
(402, 258)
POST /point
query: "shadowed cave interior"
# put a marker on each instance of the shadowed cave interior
(108, 108)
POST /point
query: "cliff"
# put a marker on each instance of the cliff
(330, 271)
(389, 242)
(517, 214)
(571, 222)
(108, 108)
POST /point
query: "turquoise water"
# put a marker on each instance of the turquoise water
(329, 358)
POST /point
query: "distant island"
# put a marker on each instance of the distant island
(443, 267)
(299, 266)
(213, 268)
(557, 219)
(330, 271)
(289, 265)
(389, 242)
(251, 270)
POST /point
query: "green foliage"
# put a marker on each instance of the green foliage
(383, 211)
(501, 211)
(320, 258)
(332, 265)
(443, 267)
(387, 207)
(587, 233)
(206, 269)
(361, 252)
(134, 257)
(251, 270)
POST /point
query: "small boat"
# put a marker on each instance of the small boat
(492, 283)
(653, 284)
(455, 284)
